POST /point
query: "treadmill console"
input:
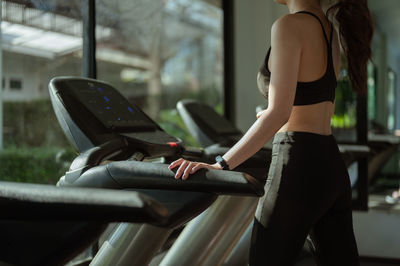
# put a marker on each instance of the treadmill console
(216, 123)
(92, 112)
(206, 125)
(109, 106)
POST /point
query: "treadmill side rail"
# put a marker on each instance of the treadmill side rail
(145, 175)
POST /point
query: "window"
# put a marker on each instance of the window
(371, 86)
(15, 84)
(40, 40)
(159, 52)
(344, 119)
(154, 52)
(391, 99)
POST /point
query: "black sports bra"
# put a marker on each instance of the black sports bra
(320, 90)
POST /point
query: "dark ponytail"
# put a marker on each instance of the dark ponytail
(355, 31)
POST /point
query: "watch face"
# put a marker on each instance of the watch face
(222, 162)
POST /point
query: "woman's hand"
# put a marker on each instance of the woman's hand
(187, 167)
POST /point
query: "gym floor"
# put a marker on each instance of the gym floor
(378, 264)
(310, 262)
(376, 202)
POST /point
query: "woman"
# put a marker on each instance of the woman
(308, 188)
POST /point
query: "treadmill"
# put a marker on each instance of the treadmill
(114, 137)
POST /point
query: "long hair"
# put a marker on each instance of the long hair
(355, 33)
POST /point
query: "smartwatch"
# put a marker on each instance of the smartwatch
(222, 162)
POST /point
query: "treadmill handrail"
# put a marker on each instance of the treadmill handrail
(25, 201)
(354, 148)
(138, 175)
(392, 139)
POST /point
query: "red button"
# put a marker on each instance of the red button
(172, 144)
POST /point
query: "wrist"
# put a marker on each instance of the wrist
(222, 163)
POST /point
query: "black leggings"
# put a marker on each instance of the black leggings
(307, 192)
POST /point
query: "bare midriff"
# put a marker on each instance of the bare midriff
(314, 118)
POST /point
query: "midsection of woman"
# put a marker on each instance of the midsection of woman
(313, 65)
(315, 118)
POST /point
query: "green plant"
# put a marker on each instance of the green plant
(34, 165)
(32, 124)
(345, 105)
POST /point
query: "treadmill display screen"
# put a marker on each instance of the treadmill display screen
(109, 106)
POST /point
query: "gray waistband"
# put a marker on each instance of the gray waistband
(283, 137)
(289, 136)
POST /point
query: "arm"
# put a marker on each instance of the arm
(285, 60)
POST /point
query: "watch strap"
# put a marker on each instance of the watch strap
(222, 162)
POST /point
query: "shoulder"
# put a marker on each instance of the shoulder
(288, 28)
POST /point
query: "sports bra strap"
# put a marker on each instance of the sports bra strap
(322, 25)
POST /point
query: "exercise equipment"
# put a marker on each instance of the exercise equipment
(104, 126)
(47, 225)
(383, 147)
